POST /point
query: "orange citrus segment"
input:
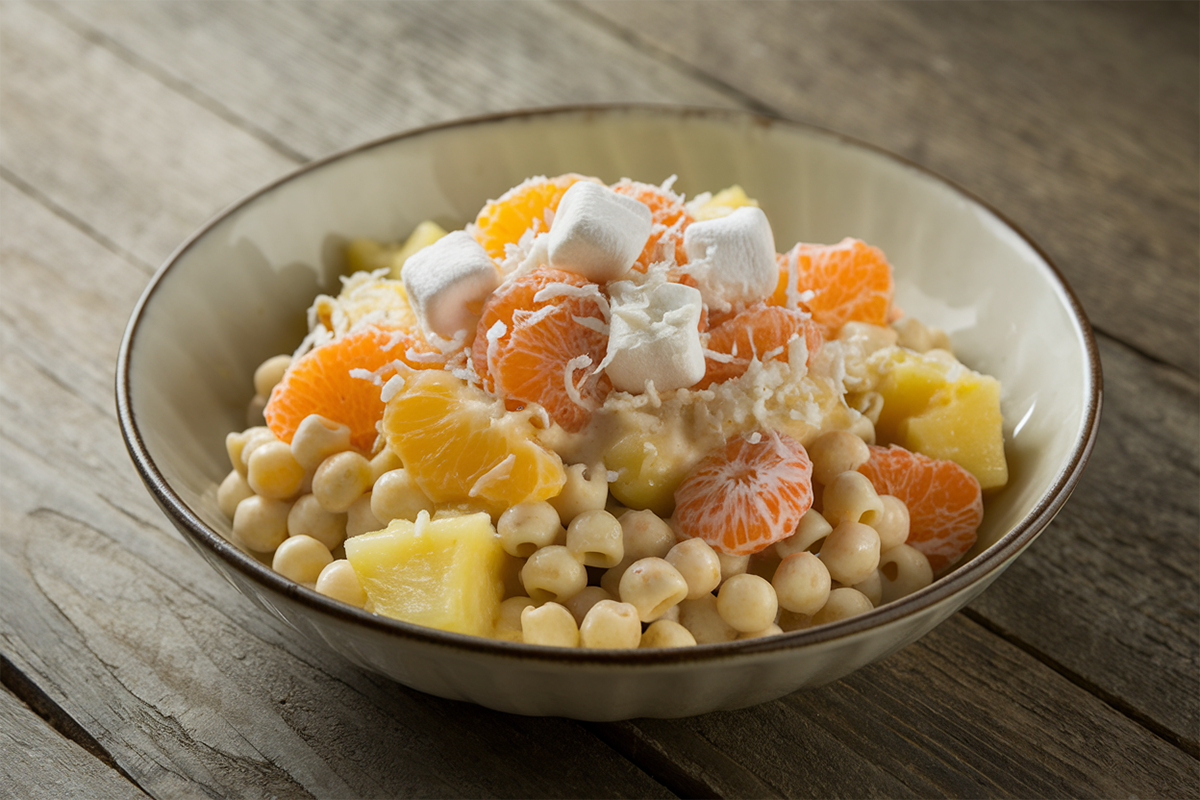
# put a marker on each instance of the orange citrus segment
(850, 280)
(539, 332)
(745, 496)
(460, 446)
(945, 505)
(505, 220)
(669, 217)
(321, 382)
(760, 331)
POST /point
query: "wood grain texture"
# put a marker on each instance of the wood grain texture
(37, 763)
(1079, 121)
(953, 715)
(126, 157)
(380, 67)
(1110, 591)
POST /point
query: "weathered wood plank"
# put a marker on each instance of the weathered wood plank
(1111, 592)
(1078, 121)
(112, 147)
(318, 76)
(188, 686)
(956, 714)
(38, 763)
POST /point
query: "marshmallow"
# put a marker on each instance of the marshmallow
(732, 258)
(654, 335)
(447, 283)
(597, 233)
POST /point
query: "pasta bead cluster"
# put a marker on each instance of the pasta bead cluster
(591, 574)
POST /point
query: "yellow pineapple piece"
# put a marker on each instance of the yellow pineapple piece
(423, 235)
(447, 573)
(722, 203)
(461, 446)
(936, 406)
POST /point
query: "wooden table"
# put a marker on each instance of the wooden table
(130, 667)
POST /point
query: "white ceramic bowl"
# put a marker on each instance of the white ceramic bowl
(235, 293)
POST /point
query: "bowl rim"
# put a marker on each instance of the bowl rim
(993, 558)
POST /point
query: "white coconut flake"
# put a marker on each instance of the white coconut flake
(393, 385)
(421, 523)
(366, 375)
(501, 472)
(569, 369)
(612, 475)
(592, 324)
(755, 438)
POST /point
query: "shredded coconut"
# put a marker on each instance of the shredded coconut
(569, 369)
(394, 384)
(501, 472)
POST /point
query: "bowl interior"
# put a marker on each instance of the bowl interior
(237, 292)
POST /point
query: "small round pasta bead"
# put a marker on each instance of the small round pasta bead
(261, 523)
(236, 442)
(646, 534)
(892, 525)
(586, 489)
(671, 613)
(863, 427)
(255, 440)
(552, 573)
(395, 495)
(812, 529)
(527, 527)
(903, 570)
(851, 498)
(871, 587)
(610, 581)
(791, 621)
(596, 539)
(652, 585)
(836, 452)
(770, 630)
(704, 622)
(341, 479)
(732, 565)
(508, 618)
(851, 552)
(301, 558)
(611, 625)
(940, 340)
(232, 491)
(801, 583)
(912, 333)
(308, 518)
(699, 565)
(383, 462)
(583, 601)
(869, 404)
(747, 603)
(269, 373)
(272, 472)
(665, 633)
(550, 625)
(361, 519)
(339, 581)
(317, 438)
(843, 603)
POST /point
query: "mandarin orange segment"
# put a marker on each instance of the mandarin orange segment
(539, 340)
(850, 280)
(945, 504)
(760, 331)
(669, 217)
(503, 221)
(747, 495)
(321, 382)
(460, 446)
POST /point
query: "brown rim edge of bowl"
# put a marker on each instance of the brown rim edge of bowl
(1006, 548)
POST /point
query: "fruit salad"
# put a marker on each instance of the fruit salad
(608, 416)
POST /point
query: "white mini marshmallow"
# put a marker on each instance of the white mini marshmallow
(654, 335)
(597, 233)
(447, 283)
(732, 258)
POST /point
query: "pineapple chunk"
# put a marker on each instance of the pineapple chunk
(447, 573)
(422, 236)
(934, 405)
(722, 203)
